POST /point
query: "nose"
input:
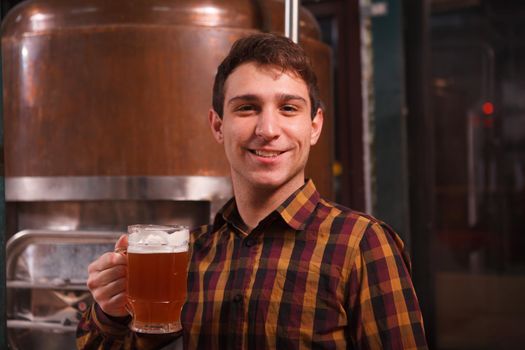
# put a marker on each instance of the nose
(267, 127)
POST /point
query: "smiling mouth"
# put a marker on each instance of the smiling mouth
(266, 154)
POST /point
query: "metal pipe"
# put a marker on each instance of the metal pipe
(291, 20)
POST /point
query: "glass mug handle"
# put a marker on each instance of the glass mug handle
(124, 251)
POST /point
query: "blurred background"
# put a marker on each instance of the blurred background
(104, 124)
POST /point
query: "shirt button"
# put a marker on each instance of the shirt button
(249, 242)
(237, 298)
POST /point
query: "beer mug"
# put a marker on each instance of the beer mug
(157, 270)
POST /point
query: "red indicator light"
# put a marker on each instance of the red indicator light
(488, 108)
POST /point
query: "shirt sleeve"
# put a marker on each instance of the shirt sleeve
(98, 331)
(383, 309)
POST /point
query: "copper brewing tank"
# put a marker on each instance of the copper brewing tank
(122, 88)
(105, 124)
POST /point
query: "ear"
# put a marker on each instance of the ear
(317, 126)
(215, 125)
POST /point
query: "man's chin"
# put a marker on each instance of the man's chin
(265, 183)
(272, 184)
(270, 181)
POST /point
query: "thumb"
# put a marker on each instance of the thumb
(122, 243)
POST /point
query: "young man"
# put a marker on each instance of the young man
(280, 268)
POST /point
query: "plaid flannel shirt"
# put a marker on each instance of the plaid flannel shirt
(312, 274)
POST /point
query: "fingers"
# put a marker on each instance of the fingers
(112, 298)
(108, 286)
(101, 278)
(108, 291)
(107, 261)
(104, 286)
(122, 243)
(107, 280)
(115, 306)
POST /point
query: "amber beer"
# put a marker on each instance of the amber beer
(157, 271)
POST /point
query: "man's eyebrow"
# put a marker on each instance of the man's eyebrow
(253, 97)
(288, 97)
(246, 97)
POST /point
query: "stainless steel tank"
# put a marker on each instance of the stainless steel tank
(105, 115)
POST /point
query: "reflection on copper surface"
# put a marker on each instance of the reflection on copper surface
(209, 15)
(161, 8)
(26, 84)
(39, 20)
(88, 9)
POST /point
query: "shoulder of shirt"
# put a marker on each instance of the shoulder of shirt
(358, 230)
(369, 230)
(340, 212)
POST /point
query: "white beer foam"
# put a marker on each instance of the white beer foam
(179, 240)
(137, 249)
(155, 241)
(148, 238)
(155, 238)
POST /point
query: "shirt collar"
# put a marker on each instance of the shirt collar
(294, 211)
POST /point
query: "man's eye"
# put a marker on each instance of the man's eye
(289, 108)
(245, 108)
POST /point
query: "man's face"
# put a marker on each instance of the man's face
(266, 128)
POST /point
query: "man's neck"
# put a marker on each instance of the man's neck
(254, 204)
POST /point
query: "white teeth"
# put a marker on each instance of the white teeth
(266, 153)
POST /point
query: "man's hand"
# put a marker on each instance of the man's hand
(107, 280)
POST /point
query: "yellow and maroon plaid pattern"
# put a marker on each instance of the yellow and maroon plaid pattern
(98, 331)
(311, 275)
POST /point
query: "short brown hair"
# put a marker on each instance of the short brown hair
(266, 49)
